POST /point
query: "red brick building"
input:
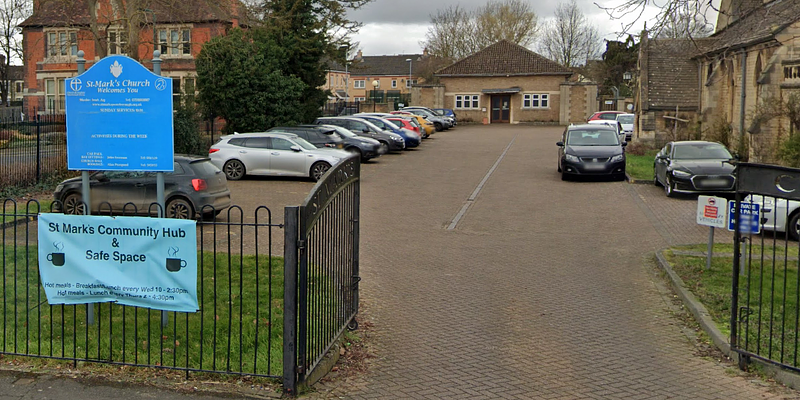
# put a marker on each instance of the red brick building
(58, 29)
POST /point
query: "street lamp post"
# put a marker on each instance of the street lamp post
(375, 84)
(346, 49)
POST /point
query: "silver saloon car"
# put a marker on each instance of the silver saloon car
(272, 153)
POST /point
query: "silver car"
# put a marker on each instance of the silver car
(272, 153)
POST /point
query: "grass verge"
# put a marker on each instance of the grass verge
(640, 167)
(768, 297)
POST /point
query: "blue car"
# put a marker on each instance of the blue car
(446, 112)
(412, 138)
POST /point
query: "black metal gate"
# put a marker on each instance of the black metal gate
(322, 237)
(765, 316)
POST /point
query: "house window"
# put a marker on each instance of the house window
(62, 43)
(394, 83)
(18, 87)
(175, 41)
(535, 100)
(359, 84)
(183, 89)
(359, 98)
(54, 95)
(467, 101)
(117, 40)
(411, 82)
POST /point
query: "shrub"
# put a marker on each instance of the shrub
(639, 148)
(186, 132)
(789, 151)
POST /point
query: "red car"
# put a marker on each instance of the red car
(405, 123)
(605, 115)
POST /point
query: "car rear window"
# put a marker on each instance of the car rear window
(236, 142)
(592, 138)
(396, 122)
(203, 168)
(608, 116)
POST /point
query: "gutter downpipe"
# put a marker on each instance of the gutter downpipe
(742, 103)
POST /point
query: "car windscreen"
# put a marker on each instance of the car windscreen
(625, 119)
(592, 138)
(379, 124)
(700, 151)
(343, 131)
(396, 122)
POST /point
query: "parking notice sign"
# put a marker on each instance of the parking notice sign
(711, 211)
(749, 216)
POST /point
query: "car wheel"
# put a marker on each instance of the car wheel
(669, 186)
(438, 126)
(793, 228)
(179, 208)
(384, 148)
(73, 204)
(318, 170)
(234, 170)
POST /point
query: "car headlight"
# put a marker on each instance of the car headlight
(618, 157)
(571, 158)
(397, 139)
(680, 173)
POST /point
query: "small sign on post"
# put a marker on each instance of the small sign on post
(749, 217)
(711, 212)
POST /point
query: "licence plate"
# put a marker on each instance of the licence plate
(594, 167)
(714, 183)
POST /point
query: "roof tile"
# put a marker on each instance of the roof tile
(501, 59)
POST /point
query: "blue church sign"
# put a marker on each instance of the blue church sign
(119, 117)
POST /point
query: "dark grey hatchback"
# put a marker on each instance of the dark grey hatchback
(195, 187)
(591, 150)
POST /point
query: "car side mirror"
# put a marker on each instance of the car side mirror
(560, 144)
(296, 148)
(662, 157)
(624, 144)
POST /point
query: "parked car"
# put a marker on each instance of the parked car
(406, 123)
(389, 141)
(778, 215)
(591, 149)
(606, 115)
(427, 126)
(626, 120)
(412, 139)
(440, 123)
(366, 148)
(272, 153)
(316, 135)
(694, 166)
(451, 121)
(446, 112)
(194, 187)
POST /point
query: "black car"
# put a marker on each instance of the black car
(389, 141)
(195, 187)
(694, 166)
(367, 148)
(314, 134)
(591, 150)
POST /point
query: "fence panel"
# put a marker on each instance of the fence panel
(32, 150)
(237, 330)
(765, 316)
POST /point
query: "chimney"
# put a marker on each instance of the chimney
(425, 52)
(359, 55)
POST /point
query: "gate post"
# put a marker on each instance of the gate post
(290, 223)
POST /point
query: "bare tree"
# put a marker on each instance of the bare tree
(456, 32)
(685, 24)
(570, 39)
(12, 12)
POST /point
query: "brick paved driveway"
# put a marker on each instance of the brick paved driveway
(542, 290)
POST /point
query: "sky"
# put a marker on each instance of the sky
(389, 29)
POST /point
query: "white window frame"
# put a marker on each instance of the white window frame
(410, 82)
(61, 44)
(55, 99)
(533, 101)
(394, 83)
(175, 41)
(359, 99)
(467, 102)
(117, 39)
(359, 84)
(179, 88)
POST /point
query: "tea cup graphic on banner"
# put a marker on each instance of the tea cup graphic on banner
(174, 264)
(57, 257)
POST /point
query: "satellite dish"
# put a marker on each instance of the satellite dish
(630, 107)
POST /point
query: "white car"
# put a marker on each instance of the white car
(612, 123)
(626, 120)
(777, 212)
(272, 153)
